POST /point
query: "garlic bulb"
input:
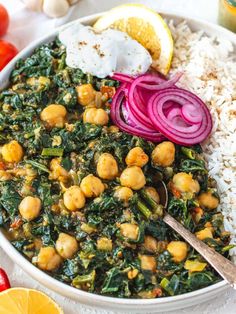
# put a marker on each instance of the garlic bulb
(71, 2)
(55, 8)
(35, 5)
(52, 8)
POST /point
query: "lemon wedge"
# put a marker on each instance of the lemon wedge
(144, 25)
(27, 301)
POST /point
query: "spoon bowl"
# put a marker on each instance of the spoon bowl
(163, 193)
(221, 264)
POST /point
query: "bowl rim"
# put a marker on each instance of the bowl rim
(48, 280)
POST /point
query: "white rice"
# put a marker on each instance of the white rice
(209, 66)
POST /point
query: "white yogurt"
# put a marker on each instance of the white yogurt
(102, 54)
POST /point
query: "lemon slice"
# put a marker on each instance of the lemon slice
(144, 25)
(27, 301)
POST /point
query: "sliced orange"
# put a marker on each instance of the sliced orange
(27, 301)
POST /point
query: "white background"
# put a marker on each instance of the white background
(26, 26)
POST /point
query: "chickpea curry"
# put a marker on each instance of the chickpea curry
(78, 197)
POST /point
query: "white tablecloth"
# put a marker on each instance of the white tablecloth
(26, 26)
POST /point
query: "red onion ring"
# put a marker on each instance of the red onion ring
(150, 104)
(124, 78)
(155, 82)
(188, 135)
(190, 115)
(117, 101)
(173, 113)
(135, 102)
(135, 105)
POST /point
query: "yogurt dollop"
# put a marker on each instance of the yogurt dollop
(102, 54)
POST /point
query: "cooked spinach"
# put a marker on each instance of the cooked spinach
(120, 246)
(10, 198)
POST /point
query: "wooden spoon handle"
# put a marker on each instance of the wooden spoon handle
(221, 264)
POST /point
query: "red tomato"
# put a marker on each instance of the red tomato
(4, 20)
(4, 281)
(7, 52)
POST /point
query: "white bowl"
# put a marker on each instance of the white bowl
(90, 299)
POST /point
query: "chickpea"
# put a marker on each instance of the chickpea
(150, 244)
(148, 262)
(54, 116)
(133, 177)
(74, 198)
(48, 259)
(185, 183)
(136, 157)
(152, 192)
(29, 207)
(92, 186)
(130, 231)
(95, 116)
(207, 200)
(104, 244)
(133, 273)
(66, 245)
(164, 154)
(123, 193)
(57, 171)
(178, 249)
(12, 152)
(204, 234)
(86, 94)
(107, 167)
